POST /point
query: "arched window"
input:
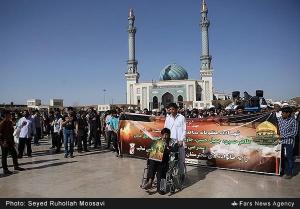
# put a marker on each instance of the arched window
(167, 98)
(180, 101)
(155, 102)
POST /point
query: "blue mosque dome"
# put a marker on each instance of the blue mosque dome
(173, 72)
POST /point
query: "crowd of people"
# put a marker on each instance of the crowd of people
(69, 128)
(83, 129)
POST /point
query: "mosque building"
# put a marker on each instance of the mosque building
(174, 84)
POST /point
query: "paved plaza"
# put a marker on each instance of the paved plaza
(99, 174)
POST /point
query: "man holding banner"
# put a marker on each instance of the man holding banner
(177, 124)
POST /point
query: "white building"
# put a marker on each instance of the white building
(34, 103)
(104, 107)
(56, 103)
(174, 84)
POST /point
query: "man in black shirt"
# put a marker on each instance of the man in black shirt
(82, 132)
(95, 126)
(7, 143)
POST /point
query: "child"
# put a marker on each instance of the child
(160, 168)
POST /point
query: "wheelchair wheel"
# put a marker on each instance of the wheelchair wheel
(176, 178)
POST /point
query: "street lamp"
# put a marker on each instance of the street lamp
(104, 90)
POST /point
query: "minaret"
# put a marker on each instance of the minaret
(206, 69)
(132, 75)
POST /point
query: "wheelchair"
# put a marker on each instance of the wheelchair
(172, 182)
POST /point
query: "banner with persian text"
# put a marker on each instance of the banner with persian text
(241, 142)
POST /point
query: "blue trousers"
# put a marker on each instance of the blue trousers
(68, 140)
(288, 158)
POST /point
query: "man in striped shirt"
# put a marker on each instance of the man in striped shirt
(288, 128)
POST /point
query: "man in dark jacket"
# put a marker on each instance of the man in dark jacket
(95, 126)
(82, 132)
(7, 143)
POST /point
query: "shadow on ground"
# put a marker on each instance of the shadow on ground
(41, 167)
(33, 162)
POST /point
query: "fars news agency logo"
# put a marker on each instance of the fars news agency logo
(234, 204)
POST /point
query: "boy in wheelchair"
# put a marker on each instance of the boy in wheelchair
(164, 170)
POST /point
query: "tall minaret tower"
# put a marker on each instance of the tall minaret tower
(132, 75)
(206, 69)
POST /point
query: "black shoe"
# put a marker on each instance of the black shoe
(161, 192)
(71, 156)
(79, 151)
(7, 172)
(19, 156)
(19, 168)
(147, 186)
(287, 176)
(86, 150)
(65, 156)
(182, 178)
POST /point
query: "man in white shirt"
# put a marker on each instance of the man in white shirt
(27, 132)
(177, 124)
(57, 129)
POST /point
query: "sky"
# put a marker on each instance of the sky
(73, 49)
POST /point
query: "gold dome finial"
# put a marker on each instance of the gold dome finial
(130, 14)
(204, 7)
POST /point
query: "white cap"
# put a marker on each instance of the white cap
(285, 104)
(277, 103)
